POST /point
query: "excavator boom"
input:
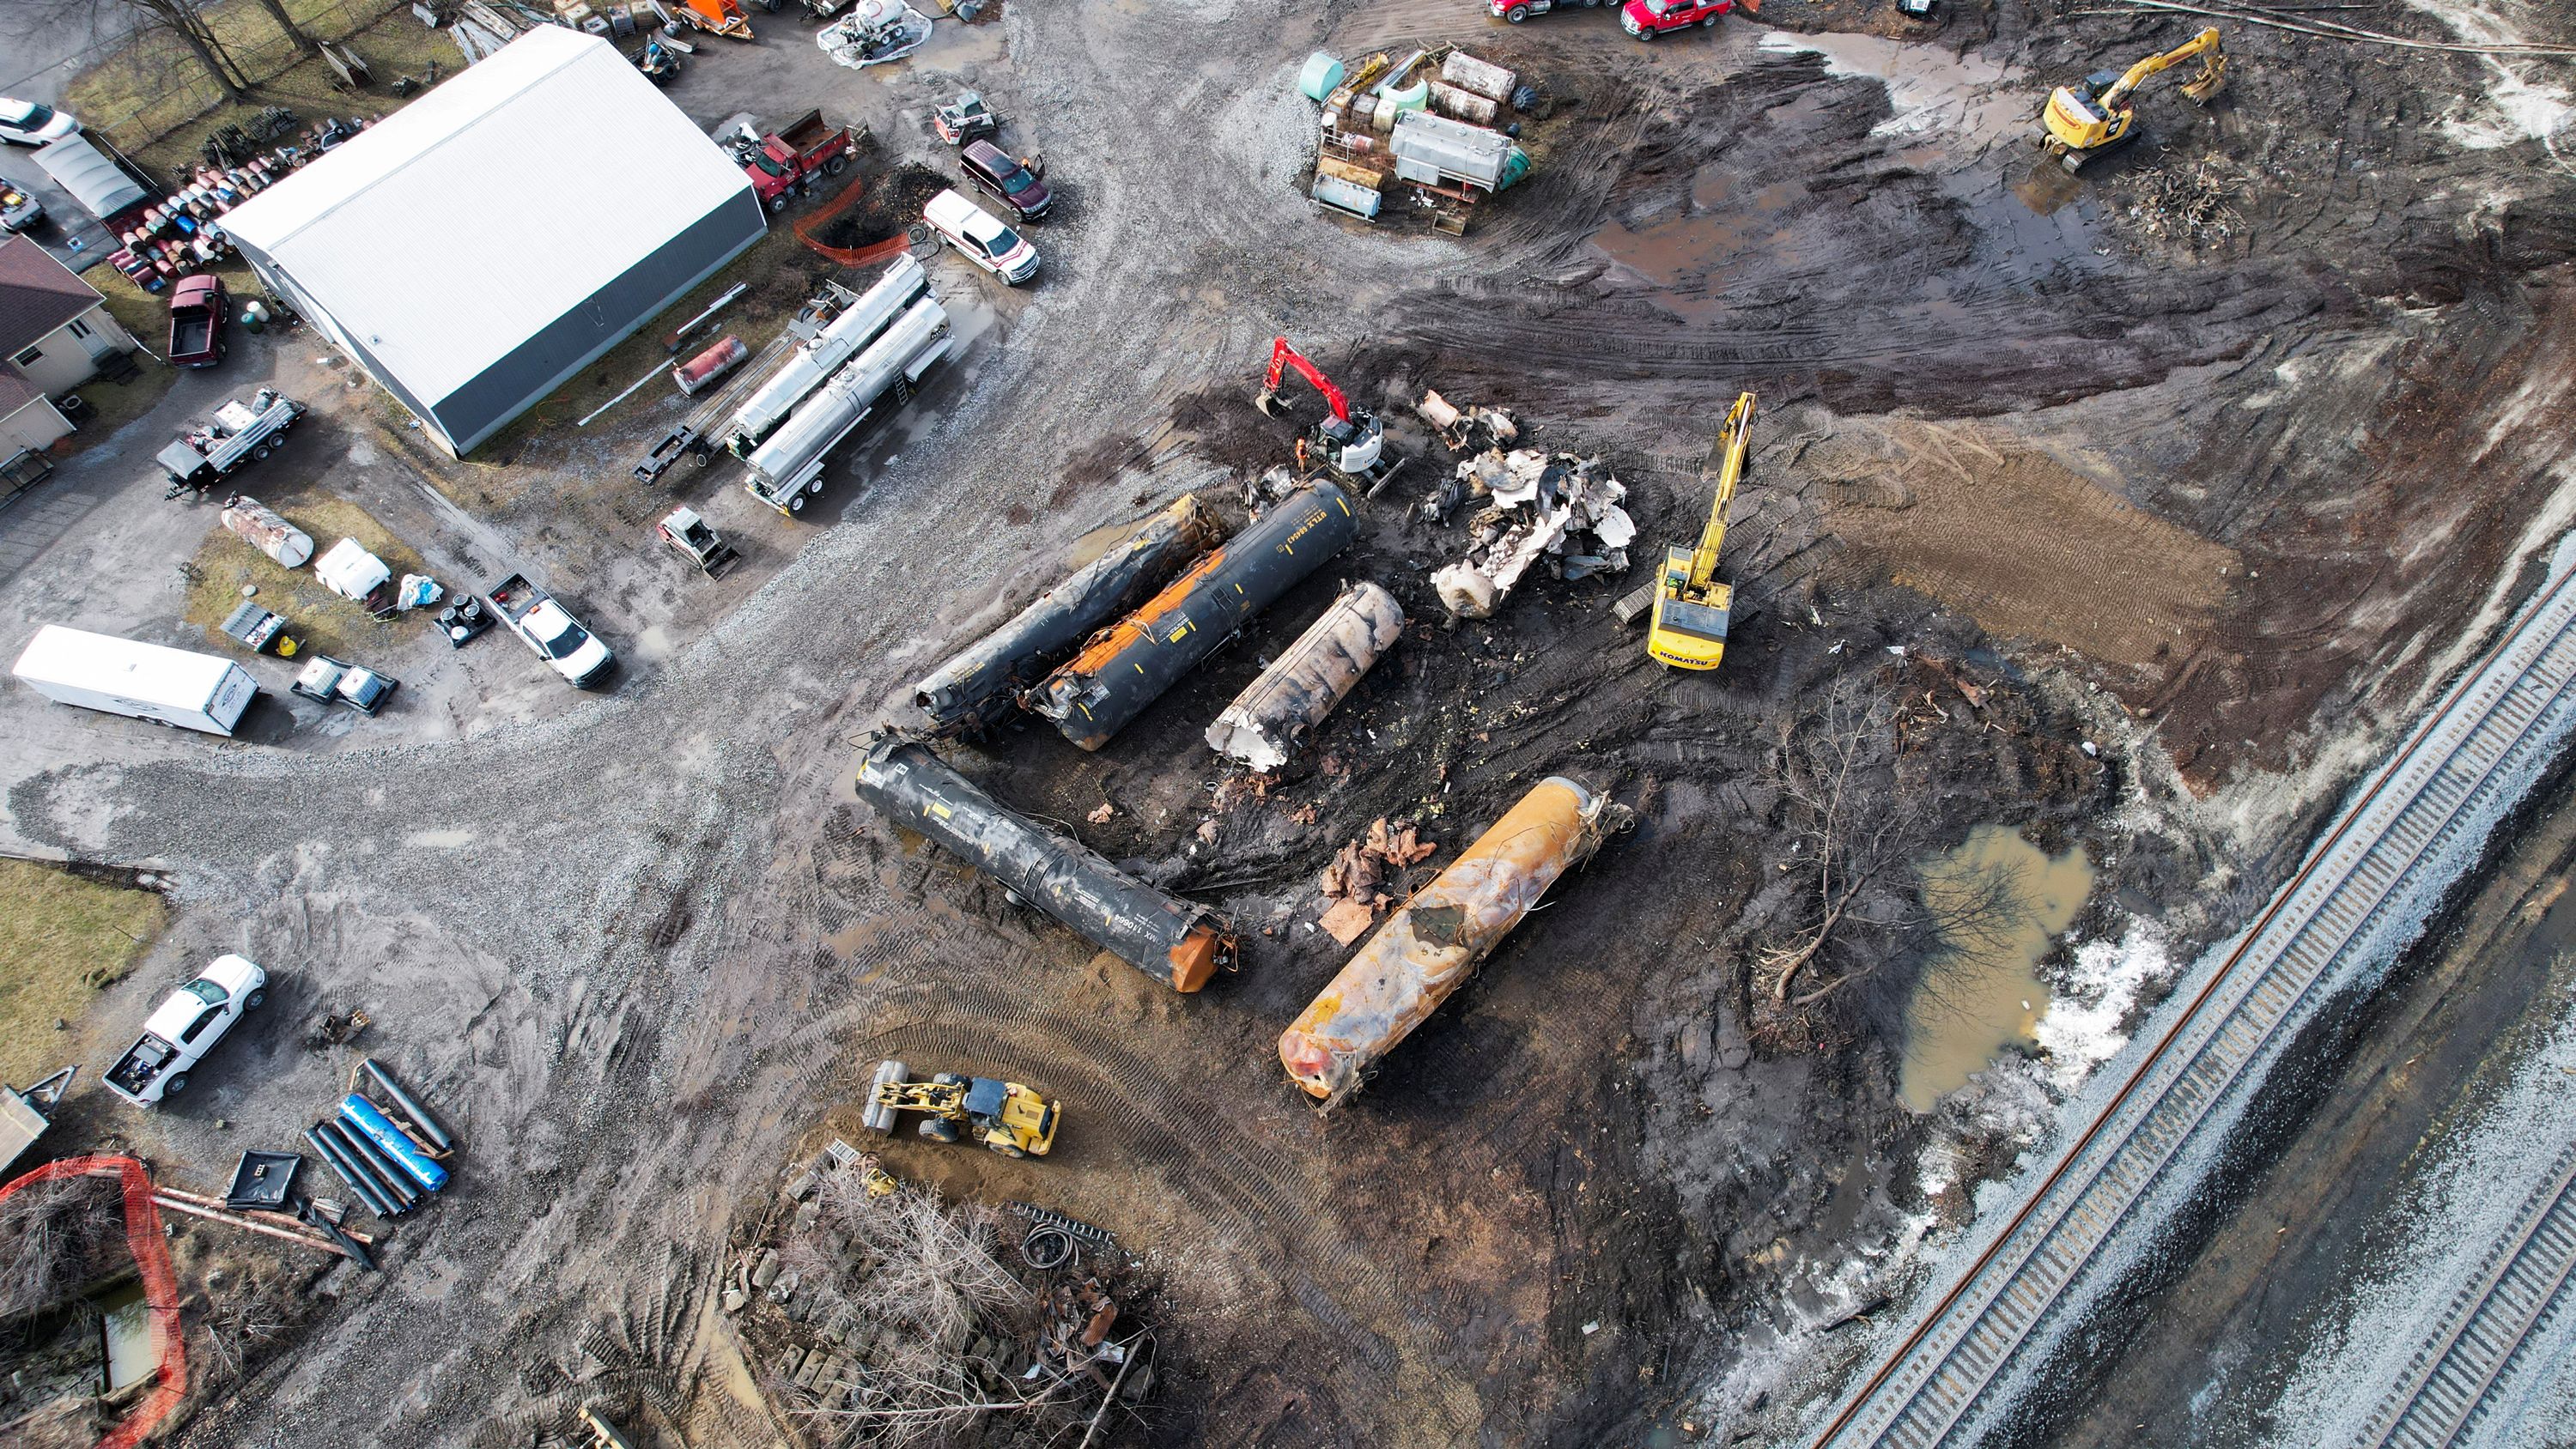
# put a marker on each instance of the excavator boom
(1692, 609)
(1733, 441)
(1283, 357)
(2205, 42)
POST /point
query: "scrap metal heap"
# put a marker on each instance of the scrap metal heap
(1538, 506)
(1428, 949)
(977, 689)
(1179, 943)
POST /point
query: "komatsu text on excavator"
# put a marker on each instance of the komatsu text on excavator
(2094, 115)
(1691, 606)
(1352, 442)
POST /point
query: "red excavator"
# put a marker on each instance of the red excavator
(1352, 442)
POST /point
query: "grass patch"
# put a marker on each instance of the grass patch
(146, 95)
(67, 938)
(320, 619)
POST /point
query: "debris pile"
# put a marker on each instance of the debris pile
(864, 1302)
(1388, 122)
(2188, 202)
(1359, 877)
(1538, 506)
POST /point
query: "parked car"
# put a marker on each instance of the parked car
(186, 1026)
(1646, 19)
(198, 307)
(1014, 183)
(25, 123)
(550, 629)
(1517, 11)
(335, 681)
(18, 210)
(981, 237)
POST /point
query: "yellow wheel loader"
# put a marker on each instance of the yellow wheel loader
(1006, 1117)
(2094, 115)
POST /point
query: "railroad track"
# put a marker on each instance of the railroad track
(2521, 1282)
(1980, 1349)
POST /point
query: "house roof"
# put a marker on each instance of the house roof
(448, 233)
(15, 391)
(37, 294)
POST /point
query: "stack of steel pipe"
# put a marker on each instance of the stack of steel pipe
(976, 690)
(389, 1167)
(1177, 942)
(1127, 667)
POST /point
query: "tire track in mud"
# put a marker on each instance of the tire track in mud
(1256, 1198)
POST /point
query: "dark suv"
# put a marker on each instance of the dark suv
(1017, 186)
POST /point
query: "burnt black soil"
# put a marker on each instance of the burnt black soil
(886, 209)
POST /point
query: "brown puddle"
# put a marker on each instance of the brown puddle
(1985, 995)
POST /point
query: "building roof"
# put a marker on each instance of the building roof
(454, 229)
(37, 293)
(16, 391)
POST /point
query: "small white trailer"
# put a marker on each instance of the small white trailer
(144, 681)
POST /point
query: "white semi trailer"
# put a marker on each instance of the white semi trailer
(144, 681)
(789, 466)
(805, 369)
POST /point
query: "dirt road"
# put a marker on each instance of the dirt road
(637, 944)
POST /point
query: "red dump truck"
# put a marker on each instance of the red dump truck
(785, 162)
(197, 311)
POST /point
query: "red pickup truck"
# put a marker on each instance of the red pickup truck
(198, 307)
(784, 162)
(1646, 19)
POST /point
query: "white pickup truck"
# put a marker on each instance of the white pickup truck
(185, 1027)
(547, 627)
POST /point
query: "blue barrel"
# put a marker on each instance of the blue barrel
(1320, 77)
(360, 1113)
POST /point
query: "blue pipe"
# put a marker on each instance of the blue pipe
(360, 1113)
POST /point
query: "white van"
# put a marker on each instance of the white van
(121, 676)
(981, 237)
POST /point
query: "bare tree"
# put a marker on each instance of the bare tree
(52, 1235)
(1851, 823)
(924, 1277)
(185, 19)
(304, 43)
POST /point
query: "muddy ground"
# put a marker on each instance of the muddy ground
(2224, 505)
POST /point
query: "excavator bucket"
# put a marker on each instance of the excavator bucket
(1268, 401)
(2211, 80)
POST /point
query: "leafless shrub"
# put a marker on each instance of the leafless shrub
(2190, 202)
(923, 1277)
(54, 1238)
(1856, 827)
(236, 1329)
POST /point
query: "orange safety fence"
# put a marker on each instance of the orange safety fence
(143, 1237)
(868, 255)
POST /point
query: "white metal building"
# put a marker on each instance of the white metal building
(483, 244)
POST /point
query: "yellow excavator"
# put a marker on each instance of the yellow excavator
(1011, 1119)
(2094, 115)
(1691, 606)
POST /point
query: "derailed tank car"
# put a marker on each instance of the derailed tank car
(1429, 948)
(1128, 666)
(975, 690)
(1179, 943)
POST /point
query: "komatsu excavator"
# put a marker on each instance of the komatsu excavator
(1351, 442)
(1691, 606)
(1008, 1118)
(2094, 115)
